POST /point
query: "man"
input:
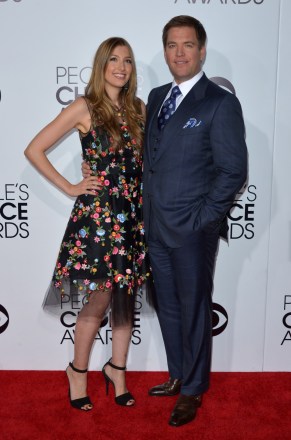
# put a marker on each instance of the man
(195, 161)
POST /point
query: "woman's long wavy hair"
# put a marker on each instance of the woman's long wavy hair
(102, 109)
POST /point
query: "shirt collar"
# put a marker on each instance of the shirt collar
(186, 86)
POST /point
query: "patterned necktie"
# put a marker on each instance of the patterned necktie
(168, 107)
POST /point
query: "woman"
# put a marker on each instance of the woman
(102, 255)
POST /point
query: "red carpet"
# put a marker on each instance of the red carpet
(238, 406)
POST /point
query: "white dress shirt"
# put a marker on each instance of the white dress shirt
(185, 88)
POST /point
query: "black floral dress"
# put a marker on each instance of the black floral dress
(103, 248)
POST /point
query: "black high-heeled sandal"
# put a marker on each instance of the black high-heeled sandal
(123, 399)
(79, 403)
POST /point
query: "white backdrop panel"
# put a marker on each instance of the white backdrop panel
(278, 315)
(45, 62)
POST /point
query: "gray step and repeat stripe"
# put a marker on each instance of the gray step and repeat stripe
(46, 52)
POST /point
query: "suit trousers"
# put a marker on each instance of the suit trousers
(183, 280)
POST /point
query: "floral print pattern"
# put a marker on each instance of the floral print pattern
(103, 246)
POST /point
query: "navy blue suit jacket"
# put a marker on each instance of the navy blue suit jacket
(194, 167)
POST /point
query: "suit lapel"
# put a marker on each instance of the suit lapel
(152, 117)
(159, 99)
(185, 110)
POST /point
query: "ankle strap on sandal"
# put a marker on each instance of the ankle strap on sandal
(116, 367)
(77, 369)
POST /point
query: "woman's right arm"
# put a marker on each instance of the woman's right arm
(76, 115)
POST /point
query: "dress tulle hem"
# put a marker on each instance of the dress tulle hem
(70, 298)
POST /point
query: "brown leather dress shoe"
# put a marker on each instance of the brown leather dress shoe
(185, 410)
(170, 388)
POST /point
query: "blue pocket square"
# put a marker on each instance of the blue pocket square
(192, 122)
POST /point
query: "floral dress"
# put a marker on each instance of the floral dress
(103, 248)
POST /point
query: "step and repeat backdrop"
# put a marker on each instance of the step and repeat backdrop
(46, 53)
